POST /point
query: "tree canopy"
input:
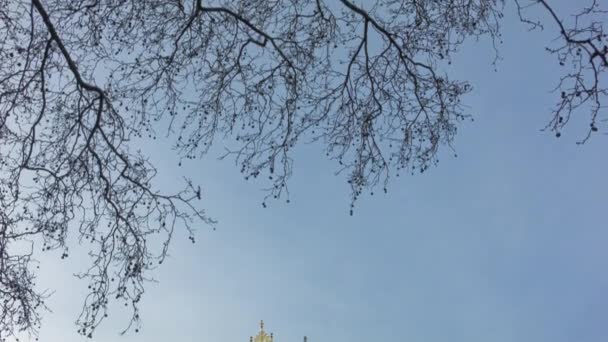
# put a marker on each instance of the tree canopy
(368, 80)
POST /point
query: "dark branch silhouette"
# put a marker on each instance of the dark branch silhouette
(582, 52)
(79, 80)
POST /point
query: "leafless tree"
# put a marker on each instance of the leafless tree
(79, 80)
(581, 48)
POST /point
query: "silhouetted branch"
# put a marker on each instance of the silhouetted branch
(582, 53)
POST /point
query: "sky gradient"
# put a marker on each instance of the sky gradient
(506, 242)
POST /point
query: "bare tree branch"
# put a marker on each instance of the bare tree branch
(582, 53)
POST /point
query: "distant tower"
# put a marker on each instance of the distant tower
(262, 336)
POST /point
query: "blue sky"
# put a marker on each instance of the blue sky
(504, 243)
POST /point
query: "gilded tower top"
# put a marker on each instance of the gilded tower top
(262, 336)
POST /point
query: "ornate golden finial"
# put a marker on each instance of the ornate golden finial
(262, 336)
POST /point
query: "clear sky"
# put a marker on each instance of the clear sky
(507, 242)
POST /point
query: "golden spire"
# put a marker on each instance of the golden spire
(262, 336)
